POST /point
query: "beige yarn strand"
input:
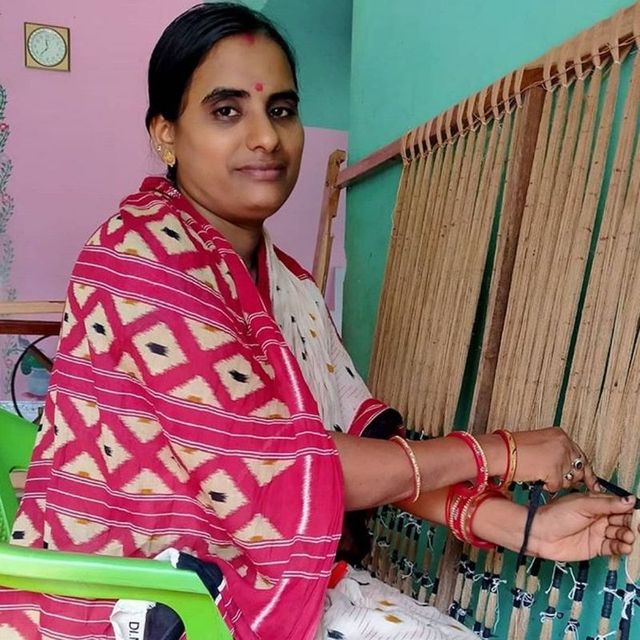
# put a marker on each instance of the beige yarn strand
(400, 301)
(420, 284)
(503, 376)
(603, 292)
(418, 372)
(571, 418)
(430, 412)
(532, 279)
(385, 309)
(537, 409)
(571, 256)
(430, 240)
(468, 283)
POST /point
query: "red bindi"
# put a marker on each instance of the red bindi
(259, 86)
(250, 38)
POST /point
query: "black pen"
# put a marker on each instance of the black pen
(616, 490)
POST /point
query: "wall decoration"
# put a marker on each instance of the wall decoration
(7, 292)
(46, 47)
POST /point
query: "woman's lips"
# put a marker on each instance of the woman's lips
(266, 172)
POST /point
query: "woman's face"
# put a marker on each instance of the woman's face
(238, 142)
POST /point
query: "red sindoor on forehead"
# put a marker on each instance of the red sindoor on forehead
(249, 38)
(259, 86)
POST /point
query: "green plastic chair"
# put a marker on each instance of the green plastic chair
(90, 576)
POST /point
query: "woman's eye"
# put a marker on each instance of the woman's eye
(226, 112)
(283, 112)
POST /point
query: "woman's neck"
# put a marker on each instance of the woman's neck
(244, 239)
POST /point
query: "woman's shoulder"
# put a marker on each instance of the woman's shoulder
(147, 249)
(292, 265)
(146, 225)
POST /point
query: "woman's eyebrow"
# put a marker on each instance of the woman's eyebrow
(222, 93)
(290, 95)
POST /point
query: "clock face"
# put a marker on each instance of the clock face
(47, 47)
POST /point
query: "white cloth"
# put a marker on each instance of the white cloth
(302, 316)
(129, 617)
(363, 608)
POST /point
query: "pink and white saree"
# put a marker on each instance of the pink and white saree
(178, 416)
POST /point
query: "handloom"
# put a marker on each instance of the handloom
(530, 189)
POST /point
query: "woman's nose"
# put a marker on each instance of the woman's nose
(262, 134)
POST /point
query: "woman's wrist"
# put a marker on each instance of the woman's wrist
(444, 462)
(495, 452)
(538, 545)
(502, 522)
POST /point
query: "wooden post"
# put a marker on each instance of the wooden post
(523, 148)
(328, 212)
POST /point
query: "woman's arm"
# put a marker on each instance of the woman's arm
(497, 520)
(378, 472)
(576, 527)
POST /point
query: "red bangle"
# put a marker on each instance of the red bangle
(454, 507)
(468, 522)
(460, 510)
(482, 470)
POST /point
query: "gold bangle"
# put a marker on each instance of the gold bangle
(417, 478)
(512, 458)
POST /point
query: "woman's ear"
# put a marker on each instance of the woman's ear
(162, 132)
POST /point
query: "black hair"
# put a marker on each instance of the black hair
(186, 42)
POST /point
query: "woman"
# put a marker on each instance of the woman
(201, 399)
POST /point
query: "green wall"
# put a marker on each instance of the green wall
(412, 59)
(320, 31)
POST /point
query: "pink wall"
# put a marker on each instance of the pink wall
(78, 142)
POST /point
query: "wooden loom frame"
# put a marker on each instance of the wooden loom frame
(530, 79)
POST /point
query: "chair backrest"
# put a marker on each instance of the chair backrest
(17, 437)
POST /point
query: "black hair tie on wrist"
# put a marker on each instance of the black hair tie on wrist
(535, 500)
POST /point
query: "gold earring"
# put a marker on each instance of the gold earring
(169, 158)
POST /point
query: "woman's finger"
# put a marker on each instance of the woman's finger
(578, 469)
(571, 477)
(614, 548)
(557, 482)
(590, 479)
(621, 533)
(582, 463)
(619, 519)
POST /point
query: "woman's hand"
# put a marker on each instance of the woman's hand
(551, 456)
(580, 527)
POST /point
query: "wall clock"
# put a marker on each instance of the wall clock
(46, 47)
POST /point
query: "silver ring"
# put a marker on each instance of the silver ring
(577, 464)
(569, 476)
